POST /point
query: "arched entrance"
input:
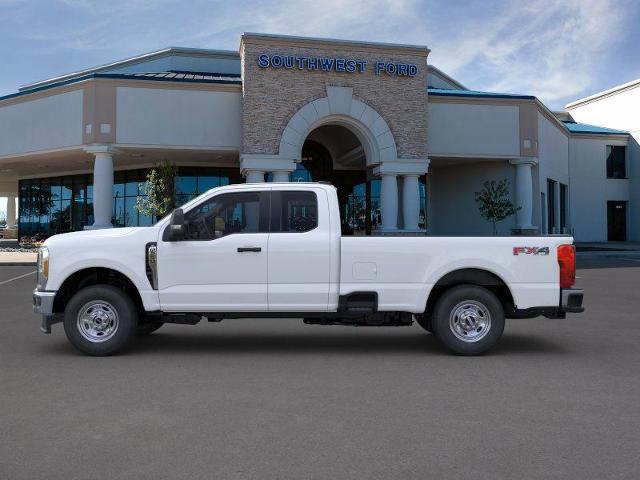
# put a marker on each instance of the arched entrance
(333, 153)
(340, 139)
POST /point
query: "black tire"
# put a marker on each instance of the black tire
(147, 327)
(113, 311)
(474, 306)
(425, 322)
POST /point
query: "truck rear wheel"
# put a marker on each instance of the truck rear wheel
(100, 320)
(468, 320)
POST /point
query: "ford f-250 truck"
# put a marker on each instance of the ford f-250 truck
(276, 250)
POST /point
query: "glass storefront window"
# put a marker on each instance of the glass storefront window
(61, 204)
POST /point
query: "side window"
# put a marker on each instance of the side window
(616, 164)
(294, 211)
(224, 215)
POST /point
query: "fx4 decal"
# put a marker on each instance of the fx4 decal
(531, 250)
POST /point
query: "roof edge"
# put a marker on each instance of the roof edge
(605, 93)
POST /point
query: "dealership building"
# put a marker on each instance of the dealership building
(406, 145)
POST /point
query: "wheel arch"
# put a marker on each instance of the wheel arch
(481, 277)
(95, 276)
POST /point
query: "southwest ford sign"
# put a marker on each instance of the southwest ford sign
(334, 64)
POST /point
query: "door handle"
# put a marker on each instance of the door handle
(249, 249)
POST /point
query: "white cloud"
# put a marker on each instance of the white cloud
(546, 48)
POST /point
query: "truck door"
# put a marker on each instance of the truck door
(221, 265)
(299, 261)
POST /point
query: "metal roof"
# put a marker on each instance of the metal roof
(585, 128)
(445, 92)
(186, 77)
(135, 60)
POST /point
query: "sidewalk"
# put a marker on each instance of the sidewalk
(18, 258)
(608, 246)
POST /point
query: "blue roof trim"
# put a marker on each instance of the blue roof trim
(444, 92)
(585, 128)
(225, 80)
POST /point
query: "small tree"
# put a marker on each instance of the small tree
(494, 202)
(160, 191)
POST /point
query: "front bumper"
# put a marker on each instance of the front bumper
(43, 305)
(571, 300)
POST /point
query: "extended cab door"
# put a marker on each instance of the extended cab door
(299, 250)
(221, 265)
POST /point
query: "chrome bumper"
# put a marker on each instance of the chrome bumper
(43, 305)
(43, 302)
(571, 300)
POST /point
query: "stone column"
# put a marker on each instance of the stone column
(254, 176)
(389, 202)
(280, 176)
(524, 195)
(11, 212)
(411, 202)
(102, 186)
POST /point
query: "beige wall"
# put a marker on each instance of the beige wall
(49, 122)
(590, 189)
(465, 129)
(271, 96)
(451, 197)
(620, 111)
(175, 117)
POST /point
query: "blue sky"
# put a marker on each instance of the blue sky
(557, 50)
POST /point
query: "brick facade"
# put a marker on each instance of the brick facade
(271, 96)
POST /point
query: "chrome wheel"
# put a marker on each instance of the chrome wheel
(98, 321)
(470, 321)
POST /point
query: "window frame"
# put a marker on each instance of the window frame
(263, 215)
(275, 210)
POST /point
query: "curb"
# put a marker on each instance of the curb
(18, 264)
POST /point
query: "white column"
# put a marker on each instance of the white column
(11, 212)
(524, 192)
(410, 202)
(254, 176)
(280, 176)
(389, 201)
(102, 185)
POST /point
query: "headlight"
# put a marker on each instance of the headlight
(43, 267)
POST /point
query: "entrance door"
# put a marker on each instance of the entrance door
(617, 221)
(221, 265)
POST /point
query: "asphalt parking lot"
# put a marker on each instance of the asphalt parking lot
(276, 399)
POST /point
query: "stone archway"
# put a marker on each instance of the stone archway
(340, 108)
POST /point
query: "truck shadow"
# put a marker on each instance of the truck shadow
(416, 343)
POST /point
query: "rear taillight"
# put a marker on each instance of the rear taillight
(567, 262)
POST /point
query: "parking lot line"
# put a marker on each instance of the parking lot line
(17, 278)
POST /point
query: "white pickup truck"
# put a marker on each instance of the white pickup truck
(275, 250)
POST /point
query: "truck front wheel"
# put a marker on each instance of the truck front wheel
(468, 319)
(100, 320)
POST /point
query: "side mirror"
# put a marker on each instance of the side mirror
(175, 231)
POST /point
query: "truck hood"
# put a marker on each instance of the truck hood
(93, 238)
